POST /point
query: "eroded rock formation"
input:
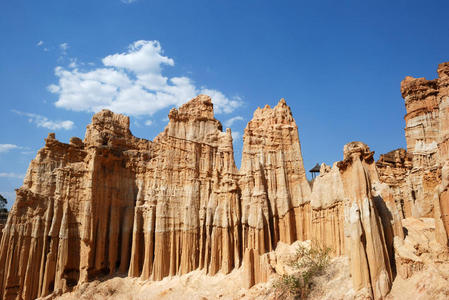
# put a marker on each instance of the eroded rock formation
(348, 212)
(117, 203)
(274, 188)
(419, 176)
(114, 203)
(421, 133)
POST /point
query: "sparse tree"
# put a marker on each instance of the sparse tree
(3, 203)
(308, 263)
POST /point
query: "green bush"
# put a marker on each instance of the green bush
(308, 262)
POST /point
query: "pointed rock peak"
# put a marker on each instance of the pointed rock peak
(282, 106)
(282, 102)
(200, 107)
(443, 70)
(281, 113)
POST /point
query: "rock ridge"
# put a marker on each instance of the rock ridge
(113, 203)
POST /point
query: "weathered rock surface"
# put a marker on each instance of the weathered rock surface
(394, 168)
(422, 134)
(370, 262)
(116, 204)
(274, 188)
(419, 177)
(348, 213)
(423, 270)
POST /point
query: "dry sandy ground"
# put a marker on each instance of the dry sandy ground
(195, 285)
(335, 284)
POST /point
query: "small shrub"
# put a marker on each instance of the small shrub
(307, 263)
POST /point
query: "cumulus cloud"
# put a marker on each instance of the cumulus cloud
(131, 82)
(8, 147)
(12, 175)
(44, 122)
(40, 43)
(229, 122)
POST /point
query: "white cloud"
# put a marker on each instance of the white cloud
(44, 122)
(8, 147)
(133, 83)
(40, 43)
(28, 152)
(128, 1)
(148, 122)
(12, 175)
(229, 122)
(64, 46)
(222, 104)
(73, 63)
(143, 57)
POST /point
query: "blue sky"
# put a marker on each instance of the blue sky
(338, 64)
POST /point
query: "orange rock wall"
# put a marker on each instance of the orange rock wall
(419, 177)
(117, 203)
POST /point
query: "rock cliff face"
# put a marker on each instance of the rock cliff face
(394, 168)
(421, 133)
(274, 189)
(352, 215)
(114, 203)
(419, 176)
(117, 203)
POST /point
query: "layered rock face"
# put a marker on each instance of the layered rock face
(352, 216)
(422, 133)
(187, 212)
(442, 202)
(419, 177)
(117, 203)
(72, 218)
(275, 191)
(370, 261)
(394, 168)
(114, 203)
(274, 188)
